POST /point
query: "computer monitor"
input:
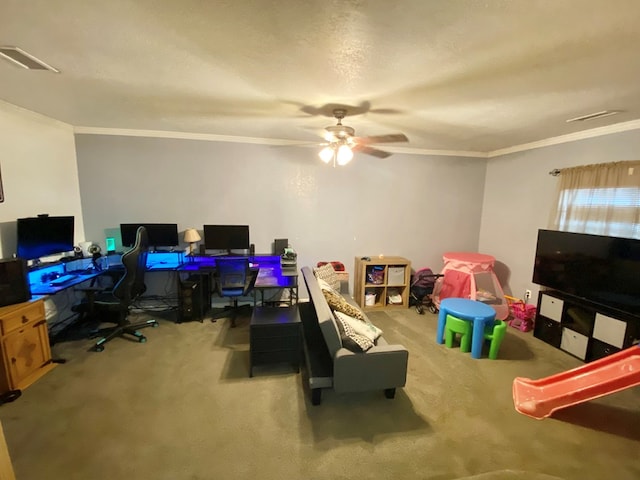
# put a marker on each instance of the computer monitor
(159, 234)
(226, 237)
(44, 235)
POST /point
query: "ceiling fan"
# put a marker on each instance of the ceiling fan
(342, 142)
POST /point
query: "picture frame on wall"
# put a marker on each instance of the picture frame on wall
(1, 191)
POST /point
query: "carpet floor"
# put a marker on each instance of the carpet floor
(182, 407)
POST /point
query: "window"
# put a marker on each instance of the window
(599, 199)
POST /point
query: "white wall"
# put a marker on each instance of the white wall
(518, 198)
(408, 205)
(39, 171)
(39, 175)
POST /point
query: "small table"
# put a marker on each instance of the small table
(277, 278)
(471, 310)
(275, 336)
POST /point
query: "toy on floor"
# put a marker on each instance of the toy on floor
(470, 275)
(422, 284)
(540, 398)
(523, 314)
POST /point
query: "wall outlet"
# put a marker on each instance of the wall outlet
(527, 294)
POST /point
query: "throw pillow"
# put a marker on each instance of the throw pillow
(324, 285)
(327, 273)
(352, 340)
(338, 304)
(361, 327)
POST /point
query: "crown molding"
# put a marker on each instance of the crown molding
(35, 115)
(211, 137)
(571, 137)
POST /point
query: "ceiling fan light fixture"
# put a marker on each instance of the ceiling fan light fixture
(326, 154)
(341, 142)
(344, 155)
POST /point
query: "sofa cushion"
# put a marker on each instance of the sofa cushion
(350, 339)
(328, 274)
(324, 314)
(361, 327)
(337, 303)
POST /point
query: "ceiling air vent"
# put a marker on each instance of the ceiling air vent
(593, 116)
(25, 60)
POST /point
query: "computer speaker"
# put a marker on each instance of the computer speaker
(14, 281)
(279, 244)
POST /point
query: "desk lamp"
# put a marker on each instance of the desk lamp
(191, 236)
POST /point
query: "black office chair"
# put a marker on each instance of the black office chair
(234, 278)
(114, 305)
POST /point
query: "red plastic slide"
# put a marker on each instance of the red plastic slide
(540, 398)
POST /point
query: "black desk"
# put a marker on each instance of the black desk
(271, 275)
(45, 288)
(278, 278)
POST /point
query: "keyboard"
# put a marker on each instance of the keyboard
(62, 280)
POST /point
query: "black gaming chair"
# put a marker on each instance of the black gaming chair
(234, 279)
(114, 305)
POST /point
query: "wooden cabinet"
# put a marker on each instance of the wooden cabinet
(24, 340)
(382, 282)
(581, 328)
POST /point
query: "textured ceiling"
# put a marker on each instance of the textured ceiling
(456, 75)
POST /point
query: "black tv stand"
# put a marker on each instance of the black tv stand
(582, 328)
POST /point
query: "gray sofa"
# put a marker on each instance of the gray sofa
(330, 365)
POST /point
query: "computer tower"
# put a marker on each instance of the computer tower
(14, 281)
(187, 292)
(279, 244)
(194, 298)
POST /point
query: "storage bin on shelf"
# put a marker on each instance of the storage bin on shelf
(369, 298)
(396, 275)
(375, 275)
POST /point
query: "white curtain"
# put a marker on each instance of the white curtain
(599, 199)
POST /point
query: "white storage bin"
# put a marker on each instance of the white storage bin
(551, 307)
(575, 343)
(369, 299)
(609, 330)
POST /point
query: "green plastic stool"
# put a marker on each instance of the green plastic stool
(455, 325)
(495, 334)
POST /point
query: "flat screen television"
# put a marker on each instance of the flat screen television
(226, 237)
(604, 270)
(159, 234)
(43, 235)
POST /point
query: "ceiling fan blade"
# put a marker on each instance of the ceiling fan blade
(370, 151)
(389, 138)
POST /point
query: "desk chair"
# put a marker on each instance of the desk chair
(114, 305)
(234, 278)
